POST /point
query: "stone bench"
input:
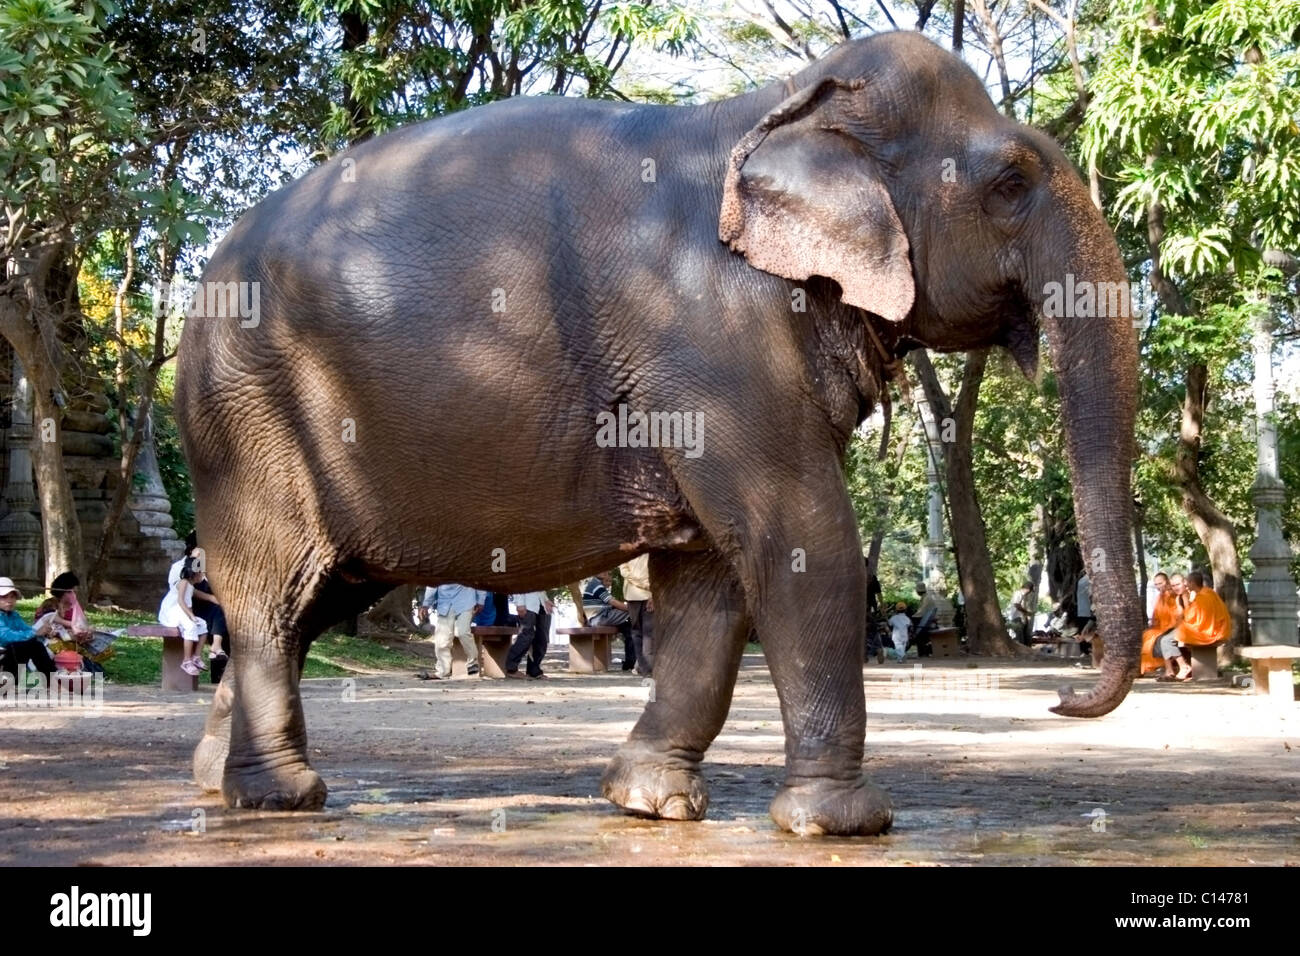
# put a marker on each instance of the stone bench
(1205, 660)
(493, 645)
(945, 642)
(1270, 666)
(173, 652)
(589, 648)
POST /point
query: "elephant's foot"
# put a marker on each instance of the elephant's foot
(831, 807)
(293, 786)
(650, 783)
(210, 754)
(210, 762)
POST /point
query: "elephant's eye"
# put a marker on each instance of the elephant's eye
(1006, 195)
(1011, 185)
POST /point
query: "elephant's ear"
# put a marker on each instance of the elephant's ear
(803, 197)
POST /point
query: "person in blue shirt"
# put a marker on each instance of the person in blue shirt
(485, 617)
(455, 606)
(18, 643)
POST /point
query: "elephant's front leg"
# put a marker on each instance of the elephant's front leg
(700, 628)
(809, 603)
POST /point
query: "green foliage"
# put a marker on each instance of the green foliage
(65, 117)
(423, 58)
(901, 490)
(1198, 109)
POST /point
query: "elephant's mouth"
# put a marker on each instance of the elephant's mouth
(1019, 331)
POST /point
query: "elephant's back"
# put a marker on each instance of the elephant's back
(453, 242)
(439, 230)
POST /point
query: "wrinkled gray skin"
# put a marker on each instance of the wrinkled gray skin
(475, 429)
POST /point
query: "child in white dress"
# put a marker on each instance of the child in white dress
(175, 612)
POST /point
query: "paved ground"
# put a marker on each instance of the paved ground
(492, 772)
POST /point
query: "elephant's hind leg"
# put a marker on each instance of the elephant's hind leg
(210, 754)
(700, 628)
(256, 723)
(266, 764)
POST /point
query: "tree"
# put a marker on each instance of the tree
(399, 61)
(68, 142)
(224, 89)
(1192, 113)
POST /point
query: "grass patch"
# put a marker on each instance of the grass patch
(335, 655)
(138, 660)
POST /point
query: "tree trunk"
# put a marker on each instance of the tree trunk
(355, 34)
(1216, 532)
(1139, 545)
(393, 612)
(886, 495)
(985, 630)
(21, 305)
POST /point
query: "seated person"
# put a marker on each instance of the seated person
(605, 610)
(1205, 621)
(175, 611)
(18, 643)
(1165, 616)
(60, 618)
(207, 606)
(487, 615)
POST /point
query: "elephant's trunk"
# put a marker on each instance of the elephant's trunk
(1095, 356)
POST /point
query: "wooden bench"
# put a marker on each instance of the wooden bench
(1270, 666)
(493, 645)
(173, 678)
(945, 642)
(589, 648)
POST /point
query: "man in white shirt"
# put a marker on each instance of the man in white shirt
(900, 629)
(532, 639)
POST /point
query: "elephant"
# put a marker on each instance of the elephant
(448, 317)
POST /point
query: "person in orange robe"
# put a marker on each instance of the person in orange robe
(1205, 621)
(1164, 617)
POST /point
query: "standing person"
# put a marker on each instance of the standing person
(874, 592)
(533, 635)
(1021, 614)
(18, 643)
(176, 611)
(1164, 618)
(1083, 604)
(640, 611)
(900, 626)
(605, 610)
(455, 606)
(1205, 621)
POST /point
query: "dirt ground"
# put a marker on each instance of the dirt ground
(495, 772)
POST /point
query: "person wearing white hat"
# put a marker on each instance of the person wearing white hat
(18, 642)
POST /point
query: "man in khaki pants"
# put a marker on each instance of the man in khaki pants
(640, 609)
(455, 606)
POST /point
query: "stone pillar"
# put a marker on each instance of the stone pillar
(20, 530)
(149, 502)
(1272, 590)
